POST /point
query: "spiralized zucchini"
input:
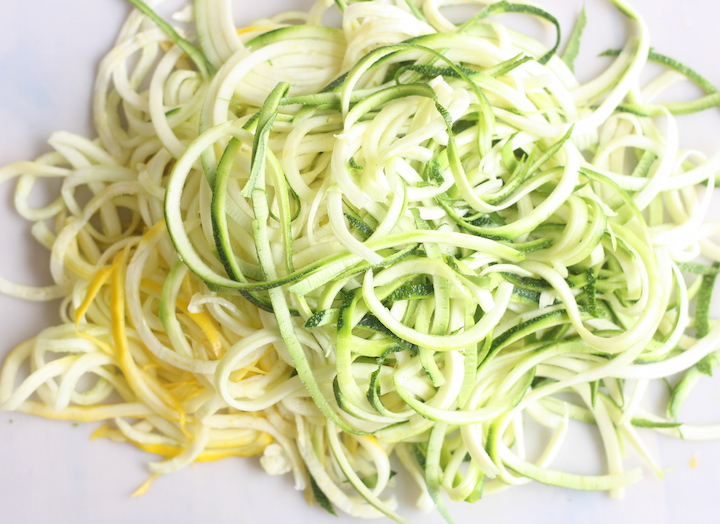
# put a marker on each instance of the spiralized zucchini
(396, 243)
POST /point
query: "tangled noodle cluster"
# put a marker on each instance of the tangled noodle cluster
(398, 239)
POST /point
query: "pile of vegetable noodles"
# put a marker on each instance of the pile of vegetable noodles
(391, 244)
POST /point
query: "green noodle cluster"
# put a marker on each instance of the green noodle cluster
(399, 240)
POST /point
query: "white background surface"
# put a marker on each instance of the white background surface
(50, 472)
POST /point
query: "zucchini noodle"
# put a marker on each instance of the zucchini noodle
(400, 241)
